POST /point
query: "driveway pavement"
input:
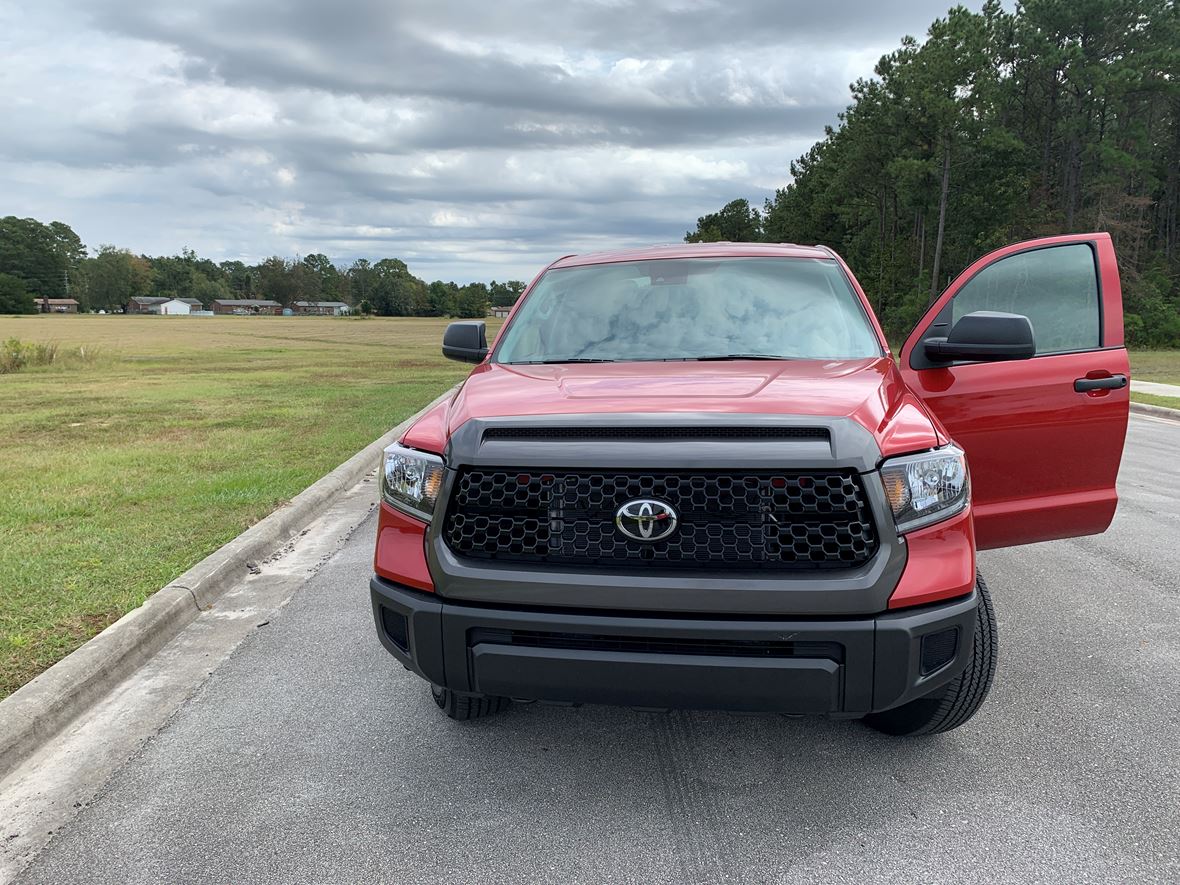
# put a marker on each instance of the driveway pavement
(311, 756)
(1155, 388)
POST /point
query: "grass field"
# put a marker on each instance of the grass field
(1168, 402)
(1162, 366)
(123, 466)
(121, 471)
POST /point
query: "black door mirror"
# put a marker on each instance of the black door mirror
(984, 335)
(466, 342)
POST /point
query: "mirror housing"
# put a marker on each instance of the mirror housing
(985, 336)
(466, 342)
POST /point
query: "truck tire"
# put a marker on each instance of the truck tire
(958, 701)
(467, 706)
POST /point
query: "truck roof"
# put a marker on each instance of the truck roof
(697, 250)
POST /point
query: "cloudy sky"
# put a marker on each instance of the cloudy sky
(474, 140)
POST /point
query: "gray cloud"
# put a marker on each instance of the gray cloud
(472, 139)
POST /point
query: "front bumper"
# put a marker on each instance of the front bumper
(846, 666)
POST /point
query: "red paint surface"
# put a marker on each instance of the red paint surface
(940, 563)
(429, 433)
(1043, 457)
(869, 390)
(401, 549)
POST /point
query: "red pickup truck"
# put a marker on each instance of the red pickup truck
(695, 476)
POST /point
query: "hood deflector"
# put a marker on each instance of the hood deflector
(650, 434)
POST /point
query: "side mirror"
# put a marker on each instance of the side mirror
(466, 342)
(984, 335)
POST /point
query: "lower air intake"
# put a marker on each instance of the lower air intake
(938, 649)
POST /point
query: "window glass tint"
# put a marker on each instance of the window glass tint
(1056, 288)
(688, 308)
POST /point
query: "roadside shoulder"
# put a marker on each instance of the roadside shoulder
(40, 709)
(1156, 411)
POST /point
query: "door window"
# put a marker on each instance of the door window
(1055, 287)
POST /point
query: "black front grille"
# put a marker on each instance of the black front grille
(629, 434)
(787, 520)
(669, 645)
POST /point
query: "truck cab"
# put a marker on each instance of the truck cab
(696, 476)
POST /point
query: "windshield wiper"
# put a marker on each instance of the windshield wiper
(576, 359)
(742, 356)
(670, 359)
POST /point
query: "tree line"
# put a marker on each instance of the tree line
(50, 261)
(1062, 116)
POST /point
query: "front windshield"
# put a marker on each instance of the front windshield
(690, 308)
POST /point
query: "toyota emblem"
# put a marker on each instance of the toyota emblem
(646, 520)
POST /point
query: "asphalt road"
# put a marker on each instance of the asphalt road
(310, 755)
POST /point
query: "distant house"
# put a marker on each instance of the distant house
(246, 306)
(144, 304)
(322, 308)
(499, 312)
(176, 307)
(57, 305)
(155, 304)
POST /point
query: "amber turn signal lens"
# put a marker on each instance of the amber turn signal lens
(433, 484)
(897, 491)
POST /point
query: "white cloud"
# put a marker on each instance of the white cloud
(470, 139)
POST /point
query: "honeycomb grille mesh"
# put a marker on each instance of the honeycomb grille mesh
(788, 520)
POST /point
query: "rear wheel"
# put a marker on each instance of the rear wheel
(467, 706)
(958, 701)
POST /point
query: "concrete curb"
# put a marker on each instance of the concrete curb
(37, 711)
(1157, 411)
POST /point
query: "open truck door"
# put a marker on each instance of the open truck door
(1040, 406)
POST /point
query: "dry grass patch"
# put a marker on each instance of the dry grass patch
(1162, 366)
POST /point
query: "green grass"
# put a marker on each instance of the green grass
(120, 473)
(1168, 402)
(1162, 366)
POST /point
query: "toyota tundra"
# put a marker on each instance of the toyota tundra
(696, 476)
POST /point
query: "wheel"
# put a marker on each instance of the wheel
(958, 700)
(467, 706)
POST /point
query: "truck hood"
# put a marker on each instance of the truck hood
(870, 391)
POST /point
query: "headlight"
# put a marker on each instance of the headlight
(927, 488)
(410, 480)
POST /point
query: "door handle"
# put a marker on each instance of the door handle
(1111, 382)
